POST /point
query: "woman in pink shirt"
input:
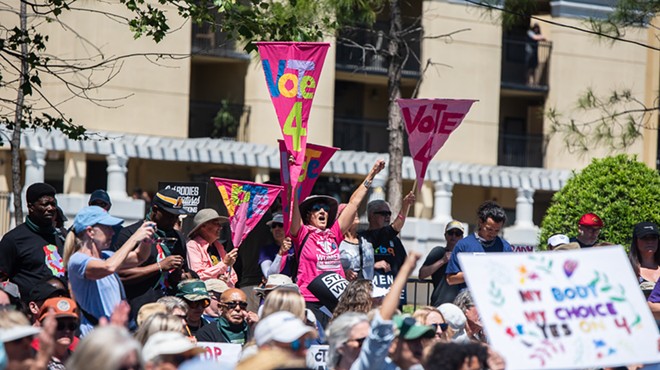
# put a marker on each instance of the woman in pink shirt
(206, 255)
(317, 235)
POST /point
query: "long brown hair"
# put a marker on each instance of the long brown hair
(356, 298)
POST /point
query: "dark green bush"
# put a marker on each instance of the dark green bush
(621, 190)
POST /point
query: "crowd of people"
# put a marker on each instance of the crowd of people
(101, 295)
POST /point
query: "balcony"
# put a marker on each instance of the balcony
(364, 135)
(522, 68)
(520, 150)
(214, 43)
(229, 125)
(361, 50)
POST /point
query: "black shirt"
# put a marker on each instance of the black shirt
(247, 263)
(387, 247)
(442, 292)
(29, 255)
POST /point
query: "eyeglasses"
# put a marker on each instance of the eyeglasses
(320, 206)
(276, 225)
(443, 326)
(232, 304)
(67, 325)
(383, 213)
(455, 233)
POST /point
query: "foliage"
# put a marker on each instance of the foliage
(619, 189)
(627, 13)
(225, 123)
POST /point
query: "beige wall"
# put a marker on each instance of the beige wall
(263, 127)
(472, 71)
(580, 61)
(145, 96)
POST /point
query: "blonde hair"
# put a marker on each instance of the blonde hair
(12, 318)
(422, 313)
(284, 299)
(104, 348)
(72, 244)
(158, 322)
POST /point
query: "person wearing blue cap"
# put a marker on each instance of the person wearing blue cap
(92, 268)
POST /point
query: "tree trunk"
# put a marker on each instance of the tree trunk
(18, 119)
(394, 124)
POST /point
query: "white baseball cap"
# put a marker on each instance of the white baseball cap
(168, 343)
(282, 326)
(557, 240)
(18, 332)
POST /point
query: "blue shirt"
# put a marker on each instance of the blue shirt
(470, 244)
(97, 297)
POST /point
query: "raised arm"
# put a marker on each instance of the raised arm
(348, 215)
(296, 219)
(400, 220)
(98, 269)
(391, 300)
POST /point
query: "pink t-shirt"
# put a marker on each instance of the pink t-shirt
(319, 254)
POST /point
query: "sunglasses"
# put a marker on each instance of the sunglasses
(383, 213)
(194, 304)
(136, 366)
(64, 325)
(455, 233)
(232, 304)
(297, 344)
(359, 341)
(442, 326)
(320, 206)
(276, 225)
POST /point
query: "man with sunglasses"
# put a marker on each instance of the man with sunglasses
(381, 239)
(166, 265)
(435, 266)
(235, 323)
(277, 257)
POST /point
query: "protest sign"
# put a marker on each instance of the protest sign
(225, 353)
(193, 194)
(246, 203)
(316, 157)
(429, 122)
(562, 310)
(317, 355)
(292, 71)
(523, 248)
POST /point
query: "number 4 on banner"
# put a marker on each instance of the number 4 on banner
(297, 131)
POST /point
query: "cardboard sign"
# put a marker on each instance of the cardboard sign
(292, 71)
(316, 157)
(317, 356)
(563, 310)
(193, 194)
(429, 122)
(225, 353)
(246, 203)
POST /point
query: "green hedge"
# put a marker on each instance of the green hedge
(621, 190)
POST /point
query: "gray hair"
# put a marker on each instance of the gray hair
(105, 348)
(158, 322)
(339, 332)
(464, 300)
(374, 204)
(171, 303)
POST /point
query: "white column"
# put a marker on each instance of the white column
(117, 176)
(442, 204)
(35, 163)
(525, 207)
(261, 175)
(377, 190)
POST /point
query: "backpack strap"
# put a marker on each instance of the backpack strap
(296, 259)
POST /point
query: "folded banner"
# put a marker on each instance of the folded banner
(429, 122)
(246, 203)
(316, 157)
(292, 71)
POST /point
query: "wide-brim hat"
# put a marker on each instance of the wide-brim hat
(168, 343)
(170, 201)
(18, 332)
(306, 206)
(276, 281)
(205, 215)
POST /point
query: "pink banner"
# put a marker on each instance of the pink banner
(429, 122)
(292, 71)
(246, 203)
(316, 157)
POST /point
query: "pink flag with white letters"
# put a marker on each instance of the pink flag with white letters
(246, 203)
(316, 157)
(429, 122)
(292, 71)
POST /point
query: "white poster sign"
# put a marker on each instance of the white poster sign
(562, 310)
(317, 356)
(225, 353)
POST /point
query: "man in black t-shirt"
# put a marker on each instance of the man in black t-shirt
(436, 264)
(32, 252)
(166, 265)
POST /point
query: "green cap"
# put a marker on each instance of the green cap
(409, 329)
(192, 290)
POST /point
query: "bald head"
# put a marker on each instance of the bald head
(233, 303)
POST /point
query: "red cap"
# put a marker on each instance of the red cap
(591, 219)
(63, 307)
